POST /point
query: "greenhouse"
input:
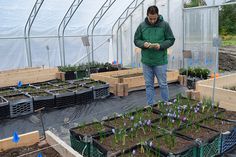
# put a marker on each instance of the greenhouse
(118, 78)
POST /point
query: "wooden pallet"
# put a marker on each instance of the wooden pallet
(32, 138)
(133, 83)
(27, 75)
(226, 98)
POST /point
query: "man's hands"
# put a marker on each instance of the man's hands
(150, 45)
(147, 45)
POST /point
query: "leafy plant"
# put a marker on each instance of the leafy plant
(67, 68)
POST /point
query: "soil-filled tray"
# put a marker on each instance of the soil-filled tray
(63, 97)
(57, 81)
(82, 82)
(181, 104)
(44, 86)
(94, 84)
(64, 85)
(92, 129)
(194, 132)
(20, 104)
(228, 115)
(40, 94)
(31, 151)
(140, 151)
(4, 108)
(27, 89)
(173, 145)
(8, 91)
(116, 143)
(143, 117)
(16, 97)
(43, 99)
(77, 88)
(168, 123)
(218, 124)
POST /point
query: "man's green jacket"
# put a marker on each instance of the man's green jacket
(161, 33)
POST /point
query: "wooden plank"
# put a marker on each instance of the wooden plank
(226, 98)
(28, 76)
(221, 81)
(19, 70)
(106, 79)
(60, 146)
(27, 139)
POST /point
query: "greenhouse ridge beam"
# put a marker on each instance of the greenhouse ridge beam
(121, 23)
(101, 12)
(27, 29)
(61, 29)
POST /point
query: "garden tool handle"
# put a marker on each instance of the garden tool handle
(40, 109)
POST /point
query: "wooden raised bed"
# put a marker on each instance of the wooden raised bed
(32, 138)
(27, 75)
(226, 98)
(131, 77)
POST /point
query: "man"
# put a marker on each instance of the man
(154, 36)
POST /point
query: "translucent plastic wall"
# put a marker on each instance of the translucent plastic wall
(200, 27)
(44, 41)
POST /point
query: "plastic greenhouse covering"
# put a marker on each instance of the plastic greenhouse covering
(109, 40)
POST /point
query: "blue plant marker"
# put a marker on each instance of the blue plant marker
(40, 155)
(114, 62)
(19, 84)
(132, 65)
(16, 138)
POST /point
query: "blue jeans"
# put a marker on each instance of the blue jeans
(149, 73)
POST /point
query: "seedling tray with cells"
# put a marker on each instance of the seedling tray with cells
(27, 89)
(82, 82)
(45, 86)
(95, 84)
(8, 91)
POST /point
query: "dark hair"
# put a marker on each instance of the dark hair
(152, 10)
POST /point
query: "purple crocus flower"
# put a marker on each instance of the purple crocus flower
(124, 124)
(132, 118)
(133, 152)
(113, 131)
(173, 120)
(184, 118)
(175, 101)
(150, 143)
(149, 122)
